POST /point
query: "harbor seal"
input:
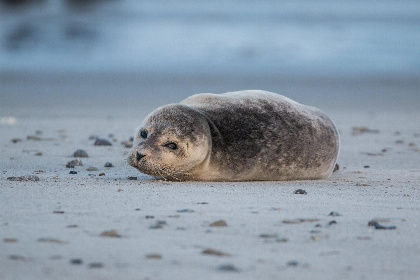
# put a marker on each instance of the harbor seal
(248, 135)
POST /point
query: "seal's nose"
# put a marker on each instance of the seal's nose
(139, 156)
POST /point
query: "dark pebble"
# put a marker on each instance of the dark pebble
(133, 178)
(73, 163)
(149, 217)
(92, 168)
(96, 265)
(366, 166)
(58, 212)
(185, 211)
(377, 225)
(228, 267)
(101, 174)
(73, 172)
(300, 191)
(16, 140)
(80, 153)
(220, 223)
(137, 209)
(332, 222)
(76, 261)
(334, 214)
(336, 167)
(292, 263)
(102, 142)
(108, 164)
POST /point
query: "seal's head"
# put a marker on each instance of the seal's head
(172, 143)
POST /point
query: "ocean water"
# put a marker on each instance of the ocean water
(315, 38)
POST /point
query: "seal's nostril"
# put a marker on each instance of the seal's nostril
(139, 156)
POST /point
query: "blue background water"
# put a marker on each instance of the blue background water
(315, 38)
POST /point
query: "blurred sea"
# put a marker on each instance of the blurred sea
(309, 38)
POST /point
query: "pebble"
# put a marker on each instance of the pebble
(108, 164)
(73, 163)
(214, 252)
(76, 261)
(158, 224)
(96, 265)
(80, 153)
(336, 167)
(298, 221)
(101, 174)
(220, 223)
(154, 256)
(334, 214)
(185, 211)
(73, 172)
(300, 191)
(110, 233)
(377, 225)
(102, 142)
(51, 240)
(16, 140)
(91, 168)
(292, 263)
(10, 240)
(25, 178)
(228, 267)
(133, 178)
(332, 223)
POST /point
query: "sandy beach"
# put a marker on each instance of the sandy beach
(115, 223)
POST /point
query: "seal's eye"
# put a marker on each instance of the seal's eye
(171, 146)
(143, 134)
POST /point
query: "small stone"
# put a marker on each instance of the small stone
(332, 223)
(154, 256)
(334, 214)
(51, 240)
(96, 265)
(91, 168)
(159, 224)
(38, 154)
(10, 240)
(73, 163)
(366, 166)
(149, 217)
(19, 258)
(185, 211)
(268, 235)
(72, 226)
(58, 212)
(377, 225)
(16, 140)
(300, 191)
(76, 261)
(108, 164)
(220, 223)
(110, 233)
(25, 178)
(73, 172)
(336, 167)
(102, 142)
(80, 153)
(213, 252)
(132, 178)
(101, 174)
(292, 263)
(228, 267)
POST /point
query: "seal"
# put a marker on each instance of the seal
(248, 135)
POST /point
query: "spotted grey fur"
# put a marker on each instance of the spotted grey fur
(237, 136)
